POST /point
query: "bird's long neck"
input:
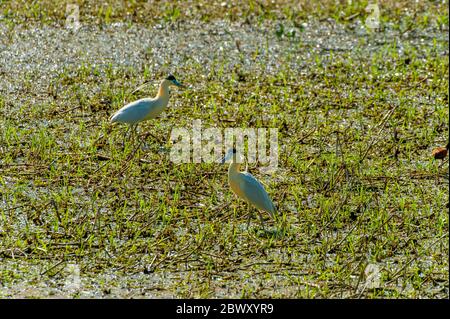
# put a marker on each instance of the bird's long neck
(233, 169)
(163, 92)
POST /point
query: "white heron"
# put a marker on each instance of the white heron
(247, 187)
(146, 108)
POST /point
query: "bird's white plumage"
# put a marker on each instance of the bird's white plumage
(139, 110)
(247, 187)
(255, 193)
(146, 108)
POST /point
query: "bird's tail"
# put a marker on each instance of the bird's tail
(113, 118)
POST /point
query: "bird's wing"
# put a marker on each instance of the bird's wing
(133, 112)
(255, 193)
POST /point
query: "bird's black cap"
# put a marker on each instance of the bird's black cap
(170, 77)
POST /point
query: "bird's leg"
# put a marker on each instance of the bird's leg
(134, 131)
(249, 218)
(126, 135)
(249, 214)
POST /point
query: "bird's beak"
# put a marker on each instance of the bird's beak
(175, 82)
(226, 157)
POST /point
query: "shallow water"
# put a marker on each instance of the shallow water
(40, 53)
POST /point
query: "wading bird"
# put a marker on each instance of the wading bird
(440, 152)
(247, 187)
(147, 108)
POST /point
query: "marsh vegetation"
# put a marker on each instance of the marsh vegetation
(358, 111)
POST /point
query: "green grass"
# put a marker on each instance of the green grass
(404, 14)
(356, 185)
